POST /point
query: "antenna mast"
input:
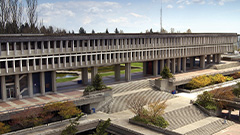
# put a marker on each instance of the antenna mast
(161, 18)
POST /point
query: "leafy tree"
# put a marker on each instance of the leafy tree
(107, 31)
(206, 100)
(164, 31)
(4, 128)
(166, 73)
(121, 31)
(116, 31)
(172, 30)
(72, 128)
(188, 31)
(102, 126)
(65, 109)
(82, 31)
(236, 91)
(224, 93)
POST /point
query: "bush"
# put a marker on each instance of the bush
(152, 115)
(64, 109)
(97, 84)
(204, 80)
(236, 75)
(166, 73)
(4, 128)
(236, 91)
(206, 100)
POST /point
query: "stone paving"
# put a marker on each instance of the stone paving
(39, 100)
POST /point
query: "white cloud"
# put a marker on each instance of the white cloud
(87, 20)
(136, 15)
(129, 4)
(181, 6)
(169, 6)
(222, 2)
(119, 20)
(199, 1)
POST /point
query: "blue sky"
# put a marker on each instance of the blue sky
(133, 16)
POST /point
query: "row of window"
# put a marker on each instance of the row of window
(110, 42)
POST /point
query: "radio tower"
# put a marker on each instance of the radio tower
(161, 18)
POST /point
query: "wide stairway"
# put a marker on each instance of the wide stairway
(192, 121)
(126, 92)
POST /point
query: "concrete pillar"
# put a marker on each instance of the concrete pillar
(54, 83)
(144, 68)
(168, 63)
(179, 65)
(218, 58)
(30, 85)
(184, 64)
(155, 68)
(161, 65)
(202, 61)
(214, 58)
(192, 60)
(42, 82)
(117, 72)
(94, 71)
(208, 59)
(229, 113)
(3, 88)
(17, 87)
(85, 76)
(173, 66)
(128, 72)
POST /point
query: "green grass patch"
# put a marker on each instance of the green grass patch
(60, 80)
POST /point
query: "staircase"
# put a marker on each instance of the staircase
(192, 121)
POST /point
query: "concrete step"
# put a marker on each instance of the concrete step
(211, 128)
(183, 116)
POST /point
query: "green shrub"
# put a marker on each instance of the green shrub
(97, 84)
(89, 88)
(160, 122)
(206, 100)
(166, 73)
(236, 91)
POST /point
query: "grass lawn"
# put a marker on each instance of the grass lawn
(60, 80)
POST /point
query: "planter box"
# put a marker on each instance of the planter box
(154, 128)
(164, 85)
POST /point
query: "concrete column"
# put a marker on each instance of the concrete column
(117, 72)
(192, 60)
(85, 76)
(184, 64)
(202, 61)
(155, 68)
(54, 83)
(208, 59)
(218, 58)
(179, 65)
(17, 87)
(128, 72)
(30, 85)
(173, 66)
(161, 65)
(229, 113)
(3, 88)
(42, 82)
(214, 58)
(144, 68)
(168, 63)
(94, 71)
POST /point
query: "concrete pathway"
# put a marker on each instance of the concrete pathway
(232, 130)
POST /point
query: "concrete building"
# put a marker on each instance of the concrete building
(28, 63)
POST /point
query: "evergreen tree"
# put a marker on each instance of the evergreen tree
(93, 32)
(166, 73)
(116, 31)
(82, 31)
(98, 83)
(151, 31)
(102, 126)
(107, 31)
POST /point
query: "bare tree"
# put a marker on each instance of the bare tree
(16, 8)
(4, 12)
(31, 12)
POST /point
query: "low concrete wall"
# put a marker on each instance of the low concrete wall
(164, 85)
(216, 113)
(154, 128)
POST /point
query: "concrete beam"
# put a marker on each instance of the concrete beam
(17, 87)
(161, 65)
(173, 66)
(54, 83)
(168, 63)
(218, 58)
(192, 60)
(155, 68)
(184, 64)
(179, 65)
(208, 59)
